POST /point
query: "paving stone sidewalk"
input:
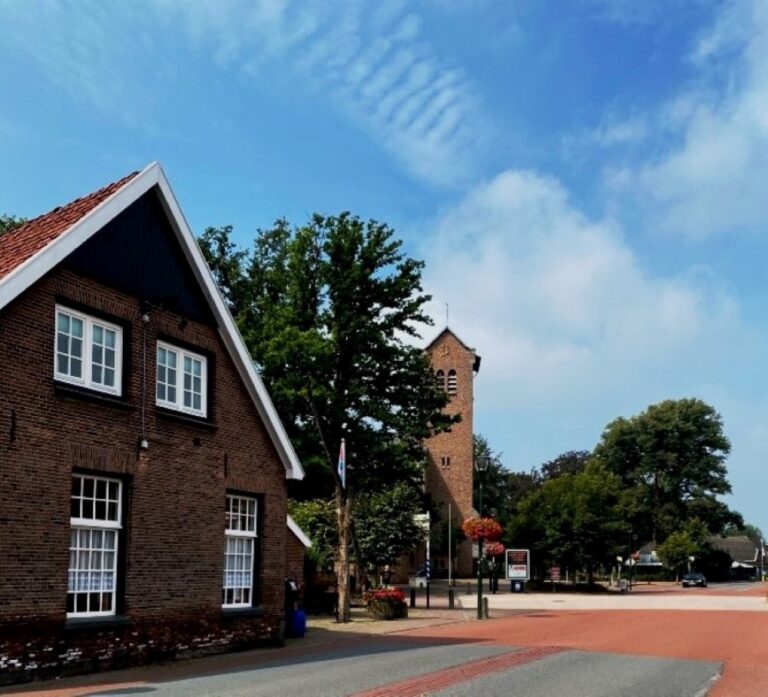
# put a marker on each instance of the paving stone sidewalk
(325, 629)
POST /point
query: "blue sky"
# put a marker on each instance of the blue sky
(585, 179)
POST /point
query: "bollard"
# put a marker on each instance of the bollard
(413, 597)
(485, 607)
(450, 598)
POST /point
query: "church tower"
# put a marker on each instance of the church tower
(450, 456)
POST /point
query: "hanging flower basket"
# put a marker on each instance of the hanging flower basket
(386, 604)
(494, 549)
(482, 529)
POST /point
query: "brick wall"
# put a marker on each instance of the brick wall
(450, 458)
(294, 558)
(174, 522)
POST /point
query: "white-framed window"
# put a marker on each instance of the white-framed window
(239, 554)
(95, 522)
(88, 351)
(182, 379)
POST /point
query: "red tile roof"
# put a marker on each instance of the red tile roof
(24, 242)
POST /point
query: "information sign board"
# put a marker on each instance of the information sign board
(518, 564)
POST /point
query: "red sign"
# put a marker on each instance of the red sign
(554, 573)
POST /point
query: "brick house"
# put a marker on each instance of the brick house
(142, 464)
(449, 472)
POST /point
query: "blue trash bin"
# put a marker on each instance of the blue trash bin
(297, 623)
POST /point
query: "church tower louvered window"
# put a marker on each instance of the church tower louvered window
(453, 385)
(440, 379)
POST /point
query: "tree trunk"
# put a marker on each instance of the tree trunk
(342, 564)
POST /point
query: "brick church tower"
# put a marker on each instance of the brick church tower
(450, 456)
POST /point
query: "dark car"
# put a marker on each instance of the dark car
(695, 579)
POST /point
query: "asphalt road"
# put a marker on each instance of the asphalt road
(587, 650)
(402, 668)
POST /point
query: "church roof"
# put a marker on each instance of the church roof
(450, 331)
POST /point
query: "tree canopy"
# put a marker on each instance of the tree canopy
(573, 519)
(328, 310)
(654, 477)
(672, 458)
(571, 462)
(384, 522)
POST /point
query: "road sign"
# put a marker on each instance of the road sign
(518, 564)
(554, 573)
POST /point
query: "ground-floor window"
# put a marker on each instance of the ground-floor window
(96, 519)
(240, 550)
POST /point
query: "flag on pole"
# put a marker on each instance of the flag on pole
(342, 469)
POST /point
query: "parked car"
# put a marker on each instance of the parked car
(694, 579)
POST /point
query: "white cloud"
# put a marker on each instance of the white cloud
(574, 331)
(559, 303)
(82, 51)
(711, 179)
(613, 131)
(376, 68)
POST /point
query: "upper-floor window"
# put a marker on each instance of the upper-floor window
(181, 379)
(89, 351)
(453, 385)
(440, 379)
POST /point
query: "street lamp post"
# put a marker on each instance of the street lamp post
(630, 561)
(481, 465)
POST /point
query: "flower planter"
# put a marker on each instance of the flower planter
(388, 610)
(386, 604)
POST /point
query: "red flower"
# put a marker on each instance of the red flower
(384, 595)
(482, 529)
(494, 549)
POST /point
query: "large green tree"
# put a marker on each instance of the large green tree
(671, 460)
(502, 490)
(571, 462)
(490, 479)
(385, 524)
(574, 519)
(329, 311)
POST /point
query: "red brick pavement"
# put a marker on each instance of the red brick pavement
(737, 639)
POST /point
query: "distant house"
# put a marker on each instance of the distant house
(746, 555)
(143, 467)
